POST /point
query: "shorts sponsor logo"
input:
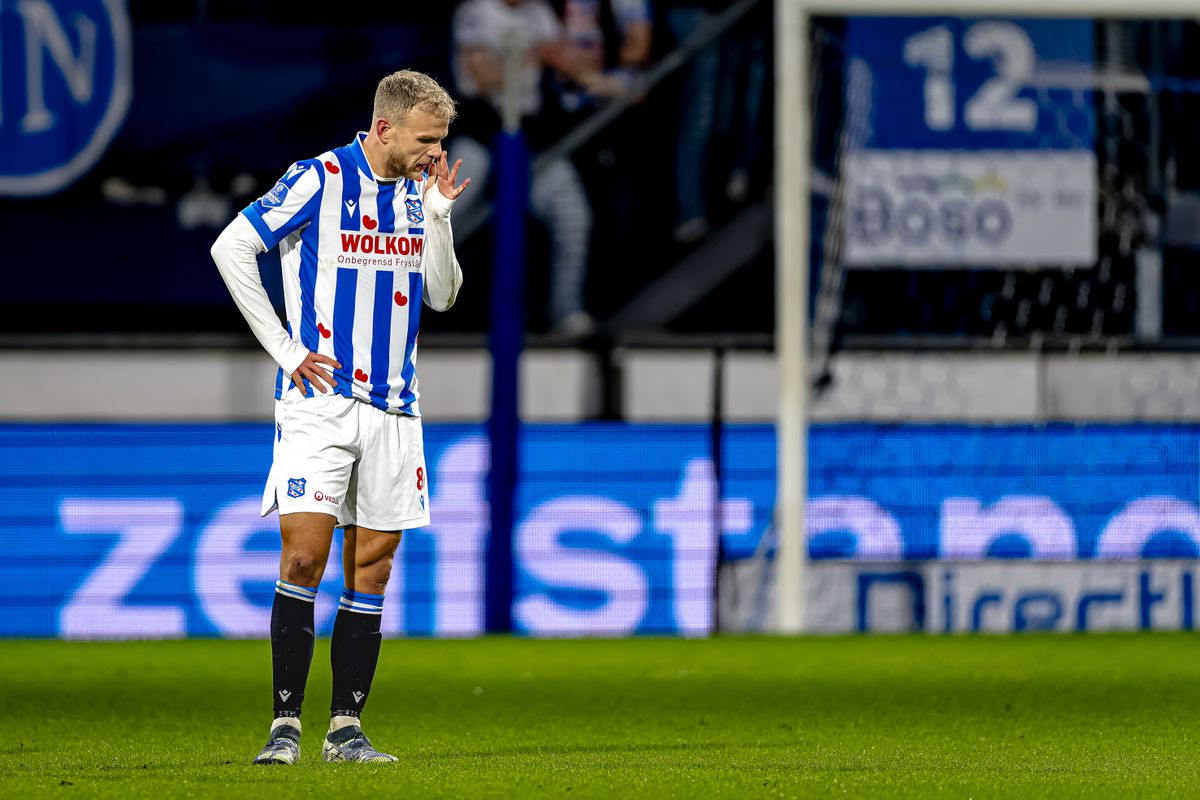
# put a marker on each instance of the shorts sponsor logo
(296, 487)
(321, 497)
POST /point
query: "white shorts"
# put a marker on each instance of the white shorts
(338, 456)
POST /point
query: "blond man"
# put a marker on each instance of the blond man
(364, 238)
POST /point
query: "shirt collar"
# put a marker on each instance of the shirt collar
(360, 158)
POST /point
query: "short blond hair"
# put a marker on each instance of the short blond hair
(401, 92)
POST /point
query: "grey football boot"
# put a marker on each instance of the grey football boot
(350, 744)
(283, 747)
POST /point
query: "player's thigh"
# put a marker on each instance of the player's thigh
(367, 558)
(307, 537)
(392, 491)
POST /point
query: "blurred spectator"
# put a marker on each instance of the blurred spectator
(743, 82)
(613, 37)
(557, 196)
(684, 18)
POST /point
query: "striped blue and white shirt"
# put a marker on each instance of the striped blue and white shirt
(359, 255)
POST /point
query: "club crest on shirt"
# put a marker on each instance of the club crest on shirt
(415, 215)
(296, 487)
(275, 197)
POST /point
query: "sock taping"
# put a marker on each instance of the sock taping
(361, 602)
(298, 592)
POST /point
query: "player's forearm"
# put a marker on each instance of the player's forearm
(235, 254)
(443, 276)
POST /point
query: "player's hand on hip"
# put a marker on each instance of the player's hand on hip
(311, 369)
(446, 177)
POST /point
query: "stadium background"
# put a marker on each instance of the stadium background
(982, 413)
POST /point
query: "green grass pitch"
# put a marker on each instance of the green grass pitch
(1033, 716)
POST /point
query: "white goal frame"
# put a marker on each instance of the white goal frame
(793, 181)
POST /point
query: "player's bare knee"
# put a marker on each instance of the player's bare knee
(301, 568)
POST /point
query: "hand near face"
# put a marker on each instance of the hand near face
(446, 177)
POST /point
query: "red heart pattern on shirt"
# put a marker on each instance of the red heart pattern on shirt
(359, 375)
(332, 167)
(369, 223)
(401, 300)
(321, 329)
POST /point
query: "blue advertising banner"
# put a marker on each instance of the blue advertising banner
(154, 531)
(1001, 597)
(122, 531)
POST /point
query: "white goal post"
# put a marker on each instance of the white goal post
(793, 185)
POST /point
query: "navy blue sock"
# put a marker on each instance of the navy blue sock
(291, 645)
(354, 651)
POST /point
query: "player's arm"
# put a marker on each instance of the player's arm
(263, 224)
(443, 276)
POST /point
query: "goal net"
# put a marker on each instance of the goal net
(973, 176)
